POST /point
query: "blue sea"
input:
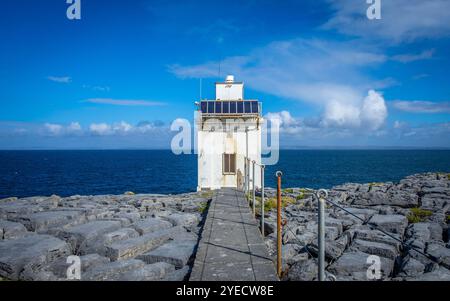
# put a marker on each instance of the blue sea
(65, 173)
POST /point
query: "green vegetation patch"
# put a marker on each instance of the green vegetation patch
(203, 207)
(288, 190)
(301, 196)
(207, 194)
(271, 203)
(418, 215)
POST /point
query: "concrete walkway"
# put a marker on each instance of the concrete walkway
(231, 247)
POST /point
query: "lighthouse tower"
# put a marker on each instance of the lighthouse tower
(228, 138)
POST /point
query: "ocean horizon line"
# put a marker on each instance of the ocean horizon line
(317, 148)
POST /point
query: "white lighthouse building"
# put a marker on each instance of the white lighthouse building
(228, 138)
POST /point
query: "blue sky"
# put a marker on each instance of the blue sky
(118, 77)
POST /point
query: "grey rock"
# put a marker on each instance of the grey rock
(82, 237)
(441, 253)
(411, 267)
(112, 271)
(59, 267)
(151, 225)
(440, 274)
(11, 230)
(390, 223)
(32, 251)
(354, 266)
(288, 252)
(176, 253)
(303, 271)
(377, 236)
(375, 248)
(185, 219)
(136, 246)
(178, 275)
(132, 217)
(151, 272)
(100, 244)
(333, 249)
(41, 221)
(436, 231)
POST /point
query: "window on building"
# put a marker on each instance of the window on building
(229, 164)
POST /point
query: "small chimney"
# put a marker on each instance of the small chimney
(229, 79)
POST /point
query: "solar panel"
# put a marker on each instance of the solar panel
(240, 107)
(226, 107)
(255, 108)
(233, 107)
(218, 107)
(210, 107)
(203, 106)
(247, 108)
(229, 107)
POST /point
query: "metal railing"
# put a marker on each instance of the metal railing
(252, 188)
(322, 197)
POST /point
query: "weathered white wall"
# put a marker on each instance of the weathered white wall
(213, 144)
(233, 91)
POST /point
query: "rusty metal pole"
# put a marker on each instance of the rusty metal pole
(279, 174)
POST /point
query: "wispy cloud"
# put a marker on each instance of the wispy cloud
(125, 102)
(55, 129)
(121, 128)
(98, 88)
(402, 20)
(325, 73)
(420, 76)
(407, 58)
(420, 106)
(60, 79)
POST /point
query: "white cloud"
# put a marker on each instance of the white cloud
(407, 58)
(97, 88)
(315, 71)
(420, 106)
(288, 124)
(402, 20)
(53, 129)
(125, 102)
(60, 79)
(343, 115)
(74, 127)
(374, 111)
(122, 127)
(326, 74)
(100, 129)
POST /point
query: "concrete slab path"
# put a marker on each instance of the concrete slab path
(231, 247)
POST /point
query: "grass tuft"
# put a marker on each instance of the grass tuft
(207, 194)
(202, 208)
(418, 215)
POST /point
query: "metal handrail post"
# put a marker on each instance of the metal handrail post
(245, 174)
(262, 200)
(254, 188)
(248, 175)
(321, 196)
(279, 174)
